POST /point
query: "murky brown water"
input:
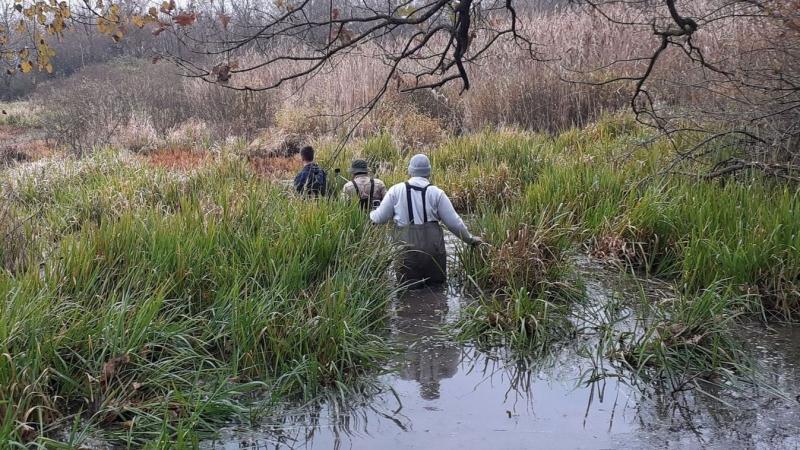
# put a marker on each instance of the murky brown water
(444, 395)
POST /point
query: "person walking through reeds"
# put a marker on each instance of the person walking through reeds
(417, 207)
(312, 179)
(368, 190)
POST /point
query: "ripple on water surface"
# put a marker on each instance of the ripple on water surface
(444, 395)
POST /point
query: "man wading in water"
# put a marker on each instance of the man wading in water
(417, 207)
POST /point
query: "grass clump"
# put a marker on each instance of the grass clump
(519, 319)
(522, 279)
(742, 233)
(684, 342)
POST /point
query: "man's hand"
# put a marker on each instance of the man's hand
(477, 241)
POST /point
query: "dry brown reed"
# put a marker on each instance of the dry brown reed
(557, 87)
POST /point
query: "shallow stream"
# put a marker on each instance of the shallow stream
(441, 394)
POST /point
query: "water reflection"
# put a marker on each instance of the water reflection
(441, 394)
(429, 356)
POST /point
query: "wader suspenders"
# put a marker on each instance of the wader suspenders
(371, 192)
(424, 190)
(361, 202)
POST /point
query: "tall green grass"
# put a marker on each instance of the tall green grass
(162, 303)
(605, 188)
(730, 247)
(154, 306)
(681, 342)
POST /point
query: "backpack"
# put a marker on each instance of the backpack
(315, 181)
(367, 202)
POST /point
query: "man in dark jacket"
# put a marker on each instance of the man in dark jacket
(311, 180)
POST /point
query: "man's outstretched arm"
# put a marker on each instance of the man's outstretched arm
(385, 211)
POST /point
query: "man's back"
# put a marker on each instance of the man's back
(437, 207)
(311, 180)
(361, 186)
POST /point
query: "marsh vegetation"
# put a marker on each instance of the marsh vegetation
(145, 303)
(161, 286)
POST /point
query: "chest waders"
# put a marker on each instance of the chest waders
(424, 257)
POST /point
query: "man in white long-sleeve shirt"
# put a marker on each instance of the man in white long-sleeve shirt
(417, 207)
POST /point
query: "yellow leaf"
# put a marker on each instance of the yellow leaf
(25, 66)
(104, 26)
(138, 21)
(49, 68)
(57, 25)
(153, 11)
(21, 28)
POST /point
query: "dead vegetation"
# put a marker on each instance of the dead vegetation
(14, 251)
(179, 159)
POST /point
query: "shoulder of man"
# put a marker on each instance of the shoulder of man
(432, 188)
(435, 192)
(399, 187)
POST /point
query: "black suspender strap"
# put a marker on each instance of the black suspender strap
(371, 190)
(424, 192)
(424, 206)
(410, 204)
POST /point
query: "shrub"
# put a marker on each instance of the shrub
(90, 108)
(139, 135)
(193, 133)
(302, 120)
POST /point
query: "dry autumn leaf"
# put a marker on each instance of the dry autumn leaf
(25, 66)
(138, 21)
(185, 18)
(111, 367)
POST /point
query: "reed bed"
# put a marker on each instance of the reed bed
(728, 247)
(530, 92)
(157, 305)
(144, 304)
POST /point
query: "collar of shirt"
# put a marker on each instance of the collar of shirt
(419, 181)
